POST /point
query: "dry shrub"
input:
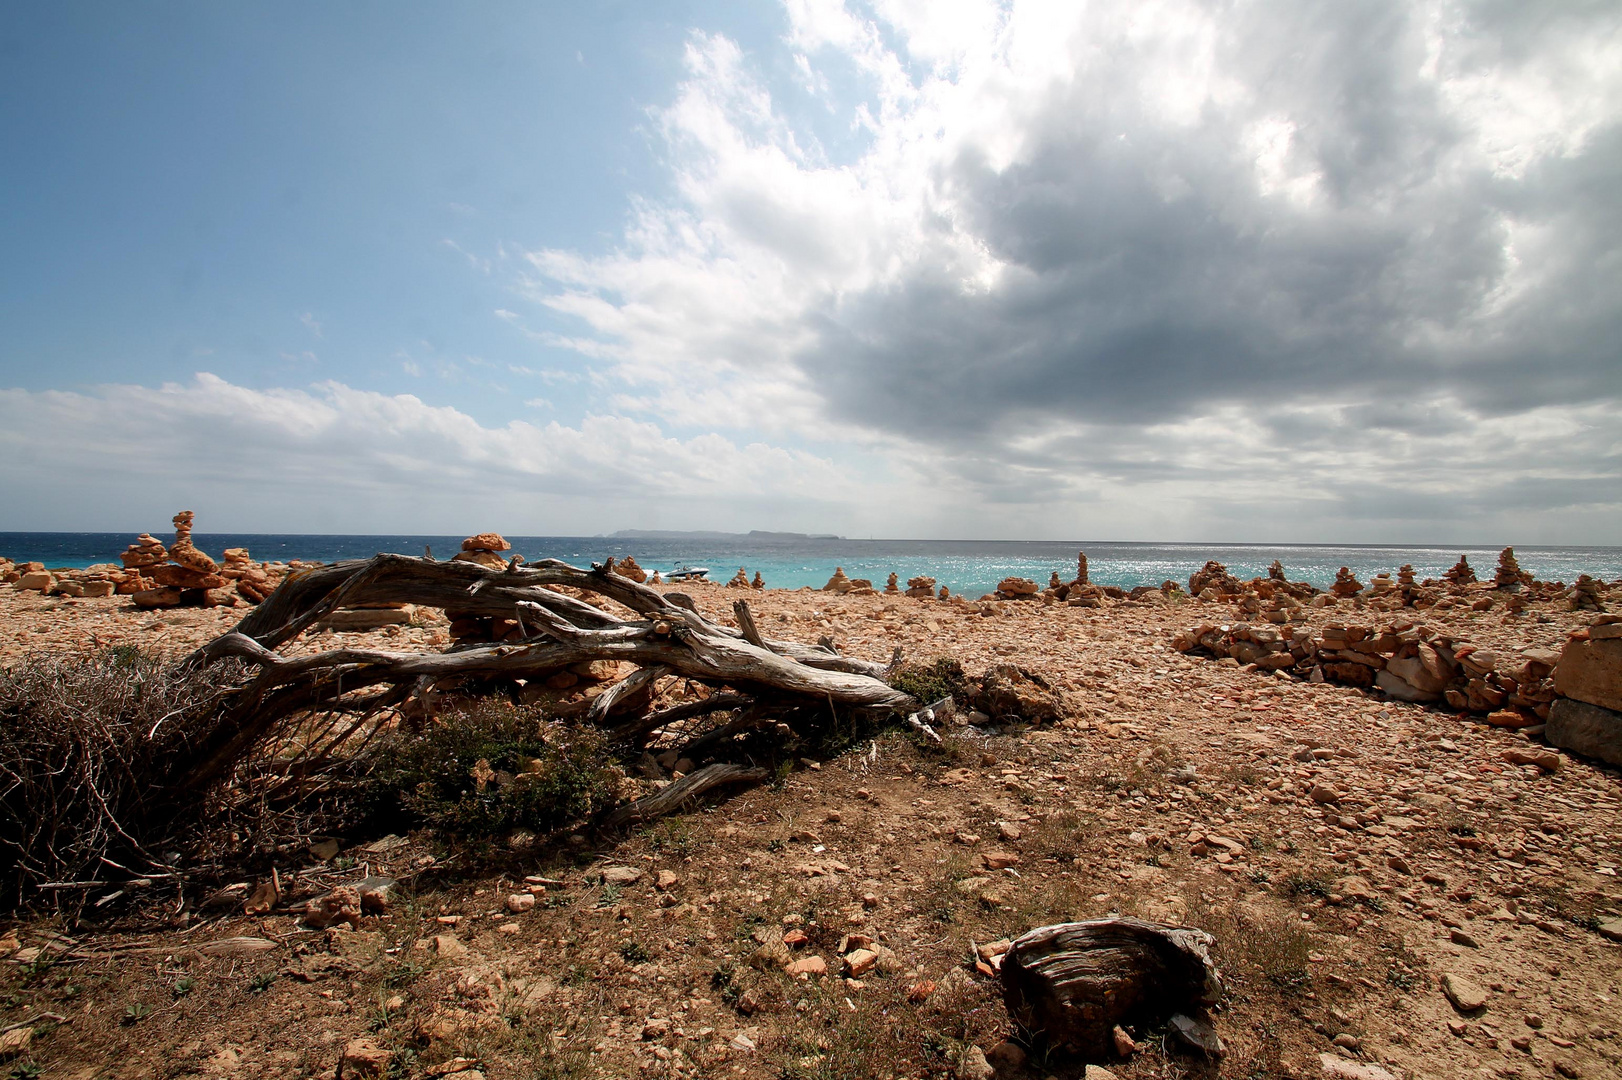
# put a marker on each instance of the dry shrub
(92, 745)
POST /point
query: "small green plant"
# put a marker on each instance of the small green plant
(26, 1070)
(1299, 884)
(184, 985)
(261, 983)
(672, 836)
(493, 768)
(634, 952)
(1402, 980)
(134, 1014)
(929, 683)
(404, 973)
(343, 862)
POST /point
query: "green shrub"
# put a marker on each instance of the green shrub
(940, 678)
(492, 768)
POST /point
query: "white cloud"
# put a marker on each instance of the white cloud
(290, 458)
(1143, 254)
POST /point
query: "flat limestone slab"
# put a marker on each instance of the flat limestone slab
(1585, 729)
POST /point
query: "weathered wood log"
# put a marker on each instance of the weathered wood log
(671, 638)
(1073, 982)
(672, 796)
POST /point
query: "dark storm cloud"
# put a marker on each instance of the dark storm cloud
(1131, 304)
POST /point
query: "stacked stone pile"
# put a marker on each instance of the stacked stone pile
(1213, 582)
(484, 549)
(921, 588)
(1346, 584)
(1081, 592)
(759, 582)
(1509, 576)
(1016, 588)
(740, 580)
(843, 585)
(628, 568)
(1587, 594)
(1409, 662)
(891, 588)
(1461, 573)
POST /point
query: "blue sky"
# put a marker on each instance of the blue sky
(885, 267)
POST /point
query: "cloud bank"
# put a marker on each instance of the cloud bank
(1138, 270)
(1237, 263)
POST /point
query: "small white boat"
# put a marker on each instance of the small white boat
(688, 573)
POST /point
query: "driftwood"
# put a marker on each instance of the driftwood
(738, 680)
(1074, 982)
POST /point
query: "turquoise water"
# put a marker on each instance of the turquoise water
(965, 566)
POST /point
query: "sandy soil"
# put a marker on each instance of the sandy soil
(1333, 920)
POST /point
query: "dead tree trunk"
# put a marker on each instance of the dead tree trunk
(746, 679)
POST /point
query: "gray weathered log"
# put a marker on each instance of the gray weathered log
(1073, 982)
(670, 637)
(671, 797)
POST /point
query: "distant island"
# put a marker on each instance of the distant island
(707, 534)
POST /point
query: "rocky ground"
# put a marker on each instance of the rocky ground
(1369, 868)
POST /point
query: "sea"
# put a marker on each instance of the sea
(969, 567)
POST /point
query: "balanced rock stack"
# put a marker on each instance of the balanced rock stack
(1346, 583)
(740, 580)
(1275, 572)
(628, 568)
(1461, 573)
(921, 588)
(1585, 594)
(839, 583)
(484, 549)
(891, 587)
(1509, 575)
(182, 575)
(1081, 569)
(759, 582)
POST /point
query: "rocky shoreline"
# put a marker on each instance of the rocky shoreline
(1215, 755)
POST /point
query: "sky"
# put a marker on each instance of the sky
(1273, 271)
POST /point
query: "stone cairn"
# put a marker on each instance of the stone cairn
(1346, 583)
(484, 549)
(1212, 582)
(470, 627)
(155, 576)
(1509, 576)
(891, 588)
(1080, 592)
(740, 580)
(848, 586)
(921, 588)
(1461, 573)
(759, 582)
(628, 568)
(1586, 594)
(1016, 588)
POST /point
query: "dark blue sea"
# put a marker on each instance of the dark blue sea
(970, 567)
